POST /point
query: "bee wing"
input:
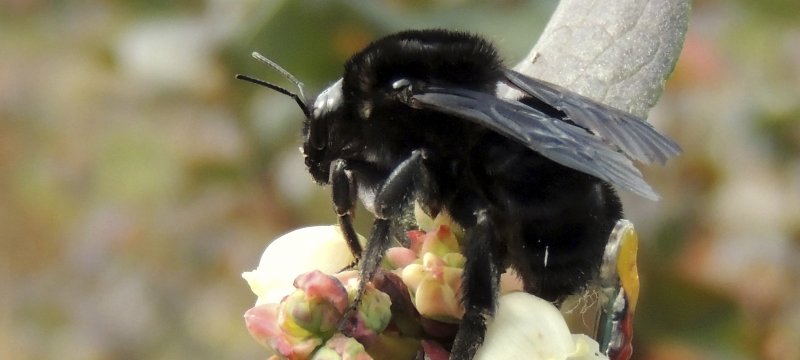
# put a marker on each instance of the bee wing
(555, 139)
(634, 136)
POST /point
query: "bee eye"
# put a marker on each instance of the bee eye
(328, 100)
(318, 134)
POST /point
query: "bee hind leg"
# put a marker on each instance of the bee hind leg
(480, 285)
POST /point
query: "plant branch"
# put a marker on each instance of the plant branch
(617, 52)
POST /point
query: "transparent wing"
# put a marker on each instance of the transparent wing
(632, 135)
(555, 139)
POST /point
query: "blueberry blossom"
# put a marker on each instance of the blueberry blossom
(410, 308)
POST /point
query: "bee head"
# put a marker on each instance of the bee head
(326, 109)
(315, 126)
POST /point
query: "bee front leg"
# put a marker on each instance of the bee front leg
(343, 193)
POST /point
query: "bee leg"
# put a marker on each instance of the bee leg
(404, 181)
(411, 177)
(426, 190)
(481, 282)
(343, 192)
(377, 244)
(390, 201)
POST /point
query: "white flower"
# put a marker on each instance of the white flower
(320, 248)
(528, 327)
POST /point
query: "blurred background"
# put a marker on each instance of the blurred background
(138, 179)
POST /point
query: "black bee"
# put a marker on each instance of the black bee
(416, 116)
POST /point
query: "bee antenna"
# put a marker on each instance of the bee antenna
(300, 99)
(281, 70)
(279, 89)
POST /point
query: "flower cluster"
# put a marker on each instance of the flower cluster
(431, 268)
(410, 308)
(305, 322)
